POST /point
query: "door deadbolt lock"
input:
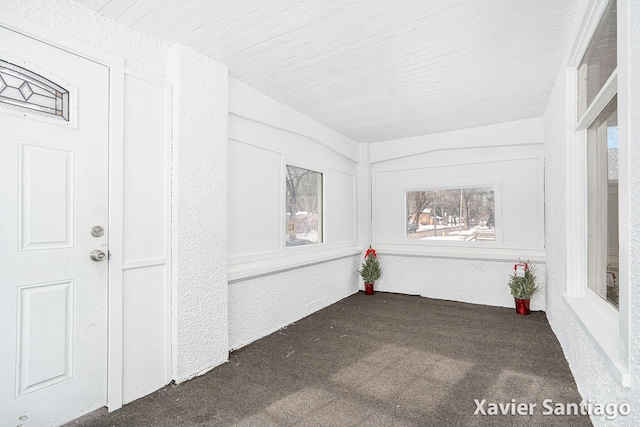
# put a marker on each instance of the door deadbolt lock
(98, 255)
(97, 231)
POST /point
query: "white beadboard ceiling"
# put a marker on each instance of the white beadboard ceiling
(375, 70)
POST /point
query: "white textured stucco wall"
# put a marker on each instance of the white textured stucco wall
(633, 86)
(592, 373)
(555, 194)
(262, 305)
(472, 281)
(140, 52)
(199, 235)
(633, 96)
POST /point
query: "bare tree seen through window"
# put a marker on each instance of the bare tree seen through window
(304, 206)
(464, 214)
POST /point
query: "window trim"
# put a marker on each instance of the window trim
(601, 322)
(600, 102)
(313, 167)
(251, 266)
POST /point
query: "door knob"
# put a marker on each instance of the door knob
(98, 255)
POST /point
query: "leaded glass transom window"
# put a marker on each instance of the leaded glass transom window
(21, 89)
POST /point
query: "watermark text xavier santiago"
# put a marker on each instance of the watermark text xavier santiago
(551, 408)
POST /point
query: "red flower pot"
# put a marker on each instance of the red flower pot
(368, 288)
(522, 306)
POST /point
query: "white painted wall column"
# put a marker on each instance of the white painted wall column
(629, 98)
(199, 218)
(364, 197)
(364, 202)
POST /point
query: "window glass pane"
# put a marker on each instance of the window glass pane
(602, 180)
(599, 60)
(612, 147)
(304, 206)
(462, 214)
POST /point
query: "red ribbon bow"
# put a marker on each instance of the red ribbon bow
(370, 251)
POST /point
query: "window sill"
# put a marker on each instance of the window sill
(253, 269)
(601, 322)
(470, 253)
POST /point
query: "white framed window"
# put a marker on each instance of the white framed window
(594, 86)
(595, 271)
(304, 206)
(465, 214)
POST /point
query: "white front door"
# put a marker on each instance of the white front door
(53, 194)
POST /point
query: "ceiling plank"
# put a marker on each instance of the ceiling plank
(115, 8)
(375, 69)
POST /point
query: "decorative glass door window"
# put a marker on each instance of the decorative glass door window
(458, 214)
(24, 90)
(303, 206)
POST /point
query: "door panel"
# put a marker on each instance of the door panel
(45, 335)
(46, 197)
(54, 171)
(147, 224)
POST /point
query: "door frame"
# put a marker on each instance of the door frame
(115, 64)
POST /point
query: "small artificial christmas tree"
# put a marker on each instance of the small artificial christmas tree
(370, 270)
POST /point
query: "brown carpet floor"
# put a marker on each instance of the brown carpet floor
(381, 360)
